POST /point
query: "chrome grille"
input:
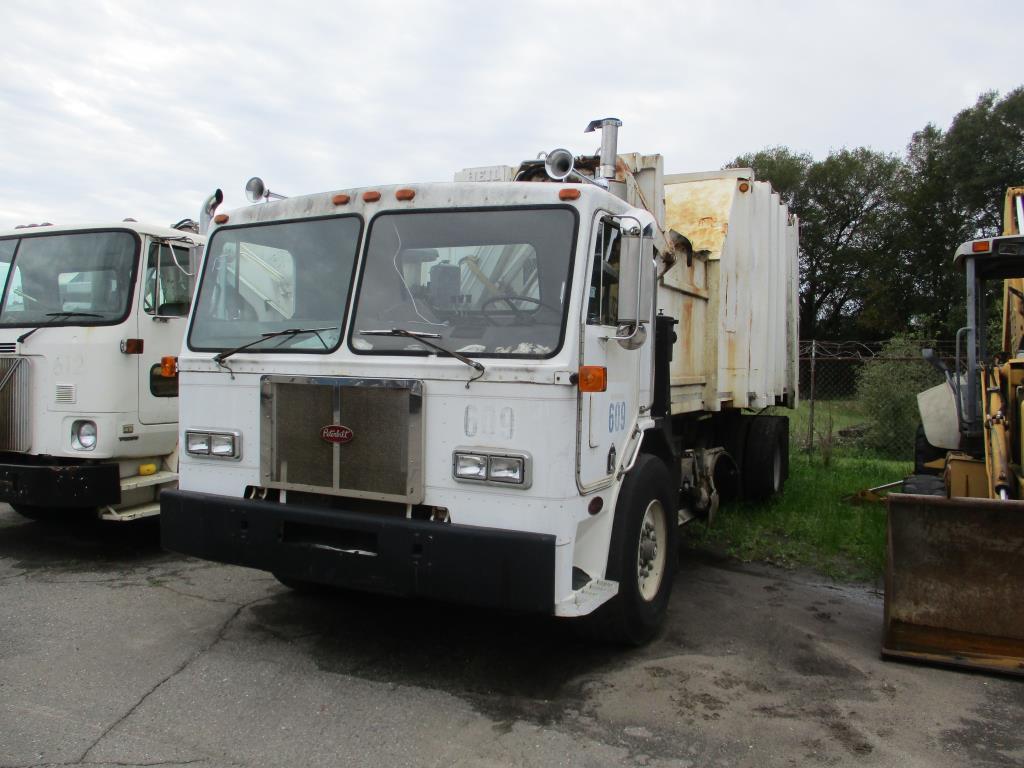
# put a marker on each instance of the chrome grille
(15, 428)
(383, 459)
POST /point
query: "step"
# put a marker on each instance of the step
(144, 481)
(148, 509)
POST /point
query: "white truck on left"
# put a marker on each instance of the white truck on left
(91, 321)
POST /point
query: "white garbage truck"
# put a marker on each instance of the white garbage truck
(91, 321)
(508, 391)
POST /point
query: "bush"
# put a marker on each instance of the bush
(887, 387)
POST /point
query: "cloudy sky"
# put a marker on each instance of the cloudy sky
(141, 109)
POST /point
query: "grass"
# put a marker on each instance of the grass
(813, 523)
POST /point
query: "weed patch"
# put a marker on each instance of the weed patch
(812, 523)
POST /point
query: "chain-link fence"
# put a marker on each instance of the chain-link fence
(861, 397)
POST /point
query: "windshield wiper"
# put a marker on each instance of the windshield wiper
(56, 316)
(220, 357)
(424, 338)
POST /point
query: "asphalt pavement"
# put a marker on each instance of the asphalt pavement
(115, 653)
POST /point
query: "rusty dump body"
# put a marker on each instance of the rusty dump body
(954, 584)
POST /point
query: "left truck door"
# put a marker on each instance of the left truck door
(163, 313)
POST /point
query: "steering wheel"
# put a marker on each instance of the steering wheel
(521, 318)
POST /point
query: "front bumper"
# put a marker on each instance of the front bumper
(57, 485)
(374, 553)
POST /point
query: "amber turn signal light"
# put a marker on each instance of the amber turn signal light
(593, 378)
(220, 218)
(169, 366)
(981, 246)
(131, 346)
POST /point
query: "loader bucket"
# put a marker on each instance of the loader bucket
(954, 582)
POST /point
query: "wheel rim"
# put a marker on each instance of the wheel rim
(651, 552)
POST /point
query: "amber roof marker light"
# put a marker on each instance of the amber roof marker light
(405, 194)
(371, 196)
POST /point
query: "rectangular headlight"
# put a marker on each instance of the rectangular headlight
(222, 445)
(197, 443)
(470, 466)
(506, 469)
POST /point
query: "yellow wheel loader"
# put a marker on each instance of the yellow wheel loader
(954, 582)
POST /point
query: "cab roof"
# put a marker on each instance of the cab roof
(153, 230)
(369, 201)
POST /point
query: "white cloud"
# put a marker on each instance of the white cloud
(108, 110)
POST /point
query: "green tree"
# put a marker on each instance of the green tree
(953, 191)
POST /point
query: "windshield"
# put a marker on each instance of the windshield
(492, 282)
(87, 272)
(267, 278)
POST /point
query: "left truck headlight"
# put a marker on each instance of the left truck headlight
(220, 445)
(83, 435)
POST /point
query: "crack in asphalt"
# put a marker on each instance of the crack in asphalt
(218, 637)
(217, 600)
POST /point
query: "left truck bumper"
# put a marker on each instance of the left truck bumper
(56, 485)
(364, 551)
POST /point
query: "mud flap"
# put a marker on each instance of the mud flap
(954, 582)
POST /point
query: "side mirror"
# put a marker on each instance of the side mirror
(629, 277)
(934, 360)
(637, 276)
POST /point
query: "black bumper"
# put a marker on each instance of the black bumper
(42, 485)
(373, 553)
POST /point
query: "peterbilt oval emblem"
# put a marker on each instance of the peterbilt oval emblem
(336, 433)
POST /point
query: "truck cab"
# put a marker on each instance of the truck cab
(88, 404)
(477, 391)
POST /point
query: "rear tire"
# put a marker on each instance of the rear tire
(643, 556)
(925, 452)
(925, 485)
(765, 458)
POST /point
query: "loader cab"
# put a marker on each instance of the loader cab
(984, 261)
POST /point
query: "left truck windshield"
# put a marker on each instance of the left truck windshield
(267, 280)
(45, 276)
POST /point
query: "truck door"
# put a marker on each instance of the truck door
(162, 317)
(606, 418)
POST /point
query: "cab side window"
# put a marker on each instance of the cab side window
(603, 306)
(166, 291)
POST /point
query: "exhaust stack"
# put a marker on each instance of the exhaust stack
(609, 144)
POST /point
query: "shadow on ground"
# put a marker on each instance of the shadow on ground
(78, 544)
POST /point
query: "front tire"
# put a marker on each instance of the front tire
(643, 556)
(925, 485)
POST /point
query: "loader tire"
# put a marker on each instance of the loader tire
(765, 458)
(642, 557)
(925, 485)
(925, 452)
